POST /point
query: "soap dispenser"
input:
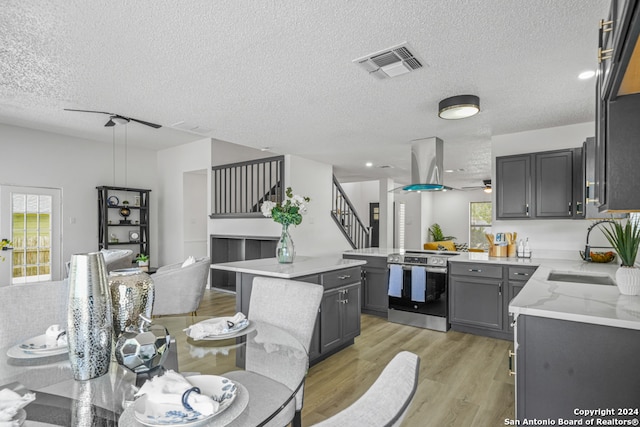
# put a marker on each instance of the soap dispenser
(520, 252)
(527, 249)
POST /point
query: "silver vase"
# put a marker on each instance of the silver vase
(132, 293)
(89, 327)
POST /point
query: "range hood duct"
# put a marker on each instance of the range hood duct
(426, 166)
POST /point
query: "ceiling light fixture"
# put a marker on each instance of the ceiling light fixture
(586, 75)
(368, 164)
(459, 107)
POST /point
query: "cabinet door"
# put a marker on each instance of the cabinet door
(514, 289)
(351, 312)
(476, 302)
(513, 185)
(554, 184)
(330, 322)
(375, 289)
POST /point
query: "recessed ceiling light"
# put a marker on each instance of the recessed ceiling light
(586, 75)
(265, 149)
(368, 164)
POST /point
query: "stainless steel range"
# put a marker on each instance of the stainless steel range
(418, 289)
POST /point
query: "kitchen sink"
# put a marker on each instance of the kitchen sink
(591, 279)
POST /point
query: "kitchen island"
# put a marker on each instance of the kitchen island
(576, 344)
(338, 321)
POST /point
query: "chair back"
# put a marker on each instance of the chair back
(387, 401)
(29, 309)
(179, 290)
(288, 304)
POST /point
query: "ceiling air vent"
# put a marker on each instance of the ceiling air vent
(391, 62)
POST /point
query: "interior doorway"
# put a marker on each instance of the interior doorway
(374, 223)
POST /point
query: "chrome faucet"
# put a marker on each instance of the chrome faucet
(587, 248)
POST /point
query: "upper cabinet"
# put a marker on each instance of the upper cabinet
(540, 185)
(617, 107)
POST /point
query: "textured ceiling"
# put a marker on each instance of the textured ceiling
(279, 74)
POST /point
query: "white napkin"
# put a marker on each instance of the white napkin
(11, 402)
(210, 329)
(56, 335)
(164, 399)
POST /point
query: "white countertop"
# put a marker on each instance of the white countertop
(578, 302)
(301, 266)
(377, 252)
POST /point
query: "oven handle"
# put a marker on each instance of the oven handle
(442, 270)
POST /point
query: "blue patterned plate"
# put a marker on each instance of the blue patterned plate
(220, 389)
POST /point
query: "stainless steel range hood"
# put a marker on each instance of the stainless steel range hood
(426, 166)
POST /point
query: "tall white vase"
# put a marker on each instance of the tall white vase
(628, 280)
(89, 321)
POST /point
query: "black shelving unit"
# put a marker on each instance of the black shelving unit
(110, 222)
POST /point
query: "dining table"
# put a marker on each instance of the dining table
(266, 363)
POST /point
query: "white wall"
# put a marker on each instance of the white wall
(77, 166)
(172, 213)
(361, 194)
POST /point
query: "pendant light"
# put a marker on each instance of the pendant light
(459, 107)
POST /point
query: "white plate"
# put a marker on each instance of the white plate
(221, 389)
(39, 344)
(233, 332)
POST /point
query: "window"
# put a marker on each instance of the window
(480, 214)
(31, 216)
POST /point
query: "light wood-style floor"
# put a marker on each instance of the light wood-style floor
(463, 377)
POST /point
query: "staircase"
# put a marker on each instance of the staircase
(347, 219)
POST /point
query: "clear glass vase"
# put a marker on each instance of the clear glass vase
(285, 251)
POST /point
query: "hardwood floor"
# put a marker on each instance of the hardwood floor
(463, 377)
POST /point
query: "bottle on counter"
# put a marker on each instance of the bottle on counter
(527, 249)
(520, 252)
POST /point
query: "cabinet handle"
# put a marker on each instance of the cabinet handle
(500, 289)
(527, 209)
(570, 210)
(579, 208)
(512, 356)
(520, 274)
(474, 270)
(606, 26)
(604, 54)
(346, 276)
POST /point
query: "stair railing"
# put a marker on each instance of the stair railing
(347, 219)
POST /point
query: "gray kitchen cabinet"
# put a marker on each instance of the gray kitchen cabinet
(554, 184)
(517, 278)
(617, 105)
(340, 316)
(539, 185)
(375, 280)
(513, 187)
(562, 365)
(338, 323)
(475, 296)
(479, 296)
(590, 198)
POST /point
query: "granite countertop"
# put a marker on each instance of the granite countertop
(578, 302)
(301, 266)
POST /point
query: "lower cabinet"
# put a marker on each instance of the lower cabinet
(375, 280)
(562, 366)
(479, 296)
(339, 316)
(338, 321)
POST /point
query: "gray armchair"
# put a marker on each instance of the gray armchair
(178, 289)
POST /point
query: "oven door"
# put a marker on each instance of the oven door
(435, 303)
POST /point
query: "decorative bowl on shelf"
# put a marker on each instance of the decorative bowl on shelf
(602, 257)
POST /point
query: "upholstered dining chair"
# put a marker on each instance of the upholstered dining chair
(292, 306)
(386, 402)
(29, 309)
(178, 289)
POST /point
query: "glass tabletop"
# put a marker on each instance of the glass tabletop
(267, 364)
